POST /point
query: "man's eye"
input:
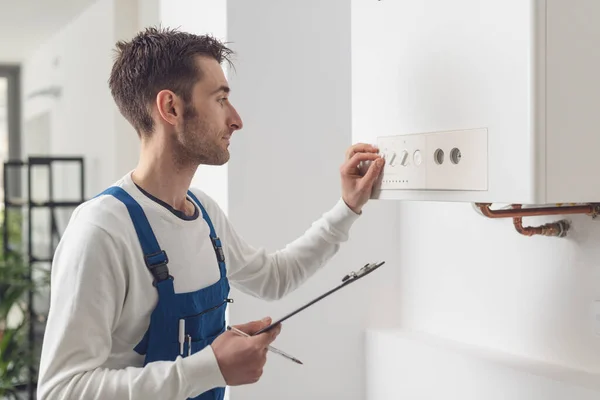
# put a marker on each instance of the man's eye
(224, 99)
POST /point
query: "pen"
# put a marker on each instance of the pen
(271, 348)
(181, 336)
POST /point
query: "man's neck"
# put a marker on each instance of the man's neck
(158, 174)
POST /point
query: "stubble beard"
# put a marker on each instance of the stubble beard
(198, 144)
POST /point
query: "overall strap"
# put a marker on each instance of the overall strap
(216, 242)
(155, 258)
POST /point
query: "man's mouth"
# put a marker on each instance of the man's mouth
(227, 137)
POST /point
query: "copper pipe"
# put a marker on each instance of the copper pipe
(557, 229)
(590, 209)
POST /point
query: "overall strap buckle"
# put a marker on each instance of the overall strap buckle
(157, 264)
(218, 248)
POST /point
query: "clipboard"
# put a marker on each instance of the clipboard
(347, 280)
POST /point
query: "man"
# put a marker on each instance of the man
(140, 279)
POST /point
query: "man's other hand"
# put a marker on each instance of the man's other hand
(356, 188)
(241, 359)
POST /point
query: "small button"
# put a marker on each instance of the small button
(417, 157)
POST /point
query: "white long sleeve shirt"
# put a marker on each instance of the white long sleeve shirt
(102, 294)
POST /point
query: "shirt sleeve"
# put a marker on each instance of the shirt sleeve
(273, 275)
(88, 289)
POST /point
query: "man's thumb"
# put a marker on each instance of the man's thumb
(374, 170)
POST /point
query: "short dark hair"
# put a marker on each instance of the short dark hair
(154, 60)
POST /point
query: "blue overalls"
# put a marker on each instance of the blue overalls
(203, 310)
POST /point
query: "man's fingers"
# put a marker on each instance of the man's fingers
(249, 327)
(349, 167)
(360, 148)
(373, 172)
(254, 326)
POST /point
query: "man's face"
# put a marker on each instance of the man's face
(209, 119)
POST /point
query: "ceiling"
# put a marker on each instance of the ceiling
(26, 23)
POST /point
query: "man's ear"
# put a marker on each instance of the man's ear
(170, 106)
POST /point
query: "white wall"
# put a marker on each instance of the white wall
(478, 281)
(291, 87)
(149, 13)
(416, 366)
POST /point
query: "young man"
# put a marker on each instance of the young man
(148, 262)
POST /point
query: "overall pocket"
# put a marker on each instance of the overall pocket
(205, 325)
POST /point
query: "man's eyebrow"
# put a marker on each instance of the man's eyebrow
(222, 88)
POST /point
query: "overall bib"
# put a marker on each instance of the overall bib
(203, 310)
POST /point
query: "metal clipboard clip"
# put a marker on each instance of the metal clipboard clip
(367, 269)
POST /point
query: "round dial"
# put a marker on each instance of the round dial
(418, 158)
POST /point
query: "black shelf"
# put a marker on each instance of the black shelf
(34, 259)
(52, 160)
(28, 205)
(42, 204)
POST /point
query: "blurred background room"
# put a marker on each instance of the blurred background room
(464, 308)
